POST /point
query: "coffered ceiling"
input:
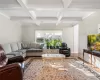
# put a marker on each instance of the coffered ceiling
(38, 12)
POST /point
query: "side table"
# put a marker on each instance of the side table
(92, 53)
(88, 52)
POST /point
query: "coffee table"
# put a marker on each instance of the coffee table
(50, 58)
(53, 56)
(50, 51)
(53, 63)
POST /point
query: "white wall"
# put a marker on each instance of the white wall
(9, 31)
(86, 27)
(76, 39)
(28, 32)
(68, 36)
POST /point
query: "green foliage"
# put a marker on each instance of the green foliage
(92, 39)
(94, 42)
(53, 42)
(98, 38)
(47, 42)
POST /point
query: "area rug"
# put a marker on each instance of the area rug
(69, 69)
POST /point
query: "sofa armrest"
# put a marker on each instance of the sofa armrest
(68, 48)
(11, 54)
(11, 72)
(18, 59)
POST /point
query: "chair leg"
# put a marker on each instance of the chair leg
(22, 66)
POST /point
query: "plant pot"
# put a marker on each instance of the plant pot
(48, 47)
(52, 47)
(57, 47)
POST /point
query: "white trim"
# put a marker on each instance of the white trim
(59, 16)
(88, 15)
(38, 23)
(25, 8)
(59, 19)
(66, 3)
(4, 15)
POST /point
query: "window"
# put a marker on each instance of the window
(41, 35)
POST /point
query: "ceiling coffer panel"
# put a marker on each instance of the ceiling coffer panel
(15, 13)
(9, 4)
(71, 19)
(85, 4)
(44, 3)
(20, 18)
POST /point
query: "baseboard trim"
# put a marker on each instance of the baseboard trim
(74, 54)
(33, 56)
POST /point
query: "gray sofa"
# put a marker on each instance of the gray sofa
(21, 49)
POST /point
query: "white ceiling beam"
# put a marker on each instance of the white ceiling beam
(59, 16)
(72, 19)
(3, 14)
(47, 19)
(38, 23)
(66, 3)
(68, 9)
(51, 22)
(11, 8)
(88, 15)
(33, 16)
(59, 19)
(20, 18)
(25, 8)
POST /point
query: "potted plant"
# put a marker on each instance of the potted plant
(51, 44)
(47, 43)
(58, 43)
(55, 43)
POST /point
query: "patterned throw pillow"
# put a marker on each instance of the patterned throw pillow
(3, 58)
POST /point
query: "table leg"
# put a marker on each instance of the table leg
(83, 57)
(94, 61)
(91, 59)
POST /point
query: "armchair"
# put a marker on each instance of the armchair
(11, 72)
(64, 50)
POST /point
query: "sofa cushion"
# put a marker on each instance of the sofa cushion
(21, 50)
(7, 48)
(19, 45)
(20, 54)
(32, 45)
(34, 50)
(25, 45)
(14, 46)
(16, 53)
(10, 56)
(37, 46)
(41, 46)
(13, 54)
